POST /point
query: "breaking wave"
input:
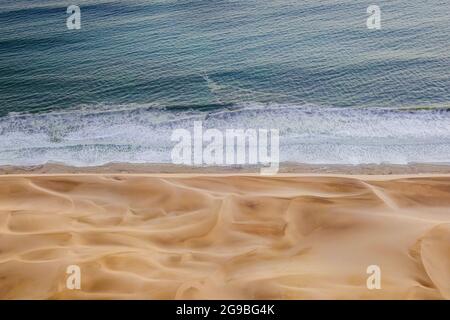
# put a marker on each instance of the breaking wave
(308, 133)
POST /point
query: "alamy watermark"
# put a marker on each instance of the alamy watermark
(73, 281)
(374, 280)
(374, 20)
(229, 147)
(73, 22)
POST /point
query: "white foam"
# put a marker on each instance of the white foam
(96, 135)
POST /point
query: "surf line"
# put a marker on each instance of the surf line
(232, 147)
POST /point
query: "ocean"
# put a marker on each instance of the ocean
(114, 90)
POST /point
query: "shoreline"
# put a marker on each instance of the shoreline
(285, 168)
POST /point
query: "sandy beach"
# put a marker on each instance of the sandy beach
(224, 236)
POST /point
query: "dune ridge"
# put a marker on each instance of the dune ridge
(224, 237)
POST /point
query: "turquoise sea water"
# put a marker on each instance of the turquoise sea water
(115, 89)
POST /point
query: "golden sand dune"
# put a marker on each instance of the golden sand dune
(223, 237)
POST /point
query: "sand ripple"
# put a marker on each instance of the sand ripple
(209, 237)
